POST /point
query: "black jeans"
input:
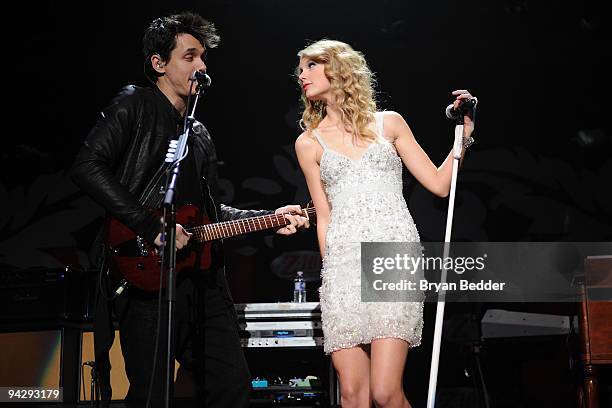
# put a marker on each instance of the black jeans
(207, 346)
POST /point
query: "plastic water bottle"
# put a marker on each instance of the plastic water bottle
(299, 288)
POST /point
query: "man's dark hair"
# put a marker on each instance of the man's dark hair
(160, 36)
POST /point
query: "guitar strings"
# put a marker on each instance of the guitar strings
(210, 232)
(241, 222)
(249, 221)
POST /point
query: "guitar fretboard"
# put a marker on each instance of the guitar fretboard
(232, 228)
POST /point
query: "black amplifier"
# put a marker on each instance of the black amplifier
(44, 293)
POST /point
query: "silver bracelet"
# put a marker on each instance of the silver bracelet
(467, 142)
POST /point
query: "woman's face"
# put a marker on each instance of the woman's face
(315, 84)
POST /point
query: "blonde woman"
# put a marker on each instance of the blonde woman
(351, 156)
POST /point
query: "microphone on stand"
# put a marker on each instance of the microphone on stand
(464, 108)
(203, 80)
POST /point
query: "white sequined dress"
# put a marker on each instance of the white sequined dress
(367, 205)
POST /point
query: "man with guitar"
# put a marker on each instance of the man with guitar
(121, 165)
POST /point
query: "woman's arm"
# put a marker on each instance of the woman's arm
(307, 150)
(435, 179)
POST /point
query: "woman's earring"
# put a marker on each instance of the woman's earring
(302, 124)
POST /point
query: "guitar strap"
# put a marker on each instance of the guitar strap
(152, 195)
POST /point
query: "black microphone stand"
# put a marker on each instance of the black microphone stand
(95, 386)
(169, 240)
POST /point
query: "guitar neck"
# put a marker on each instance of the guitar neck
(227, 229)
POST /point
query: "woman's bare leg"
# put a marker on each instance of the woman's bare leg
(387, 360)
(353, 368)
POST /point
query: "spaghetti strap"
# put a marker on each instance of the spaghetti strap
(319, 138)
(380, 129)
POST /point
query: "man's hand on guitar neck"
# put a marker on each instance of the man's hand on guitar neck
(296, 219)
(182, 237)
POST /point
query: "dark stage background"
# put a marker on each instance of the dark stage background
(540, 170)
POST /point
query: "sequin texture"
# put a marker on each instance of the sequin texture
(367, 205)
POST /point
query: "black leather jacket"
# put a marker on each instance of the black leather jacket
(126, 147)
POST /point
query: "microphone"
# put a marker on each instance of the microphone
(203, 79)
(464, 108)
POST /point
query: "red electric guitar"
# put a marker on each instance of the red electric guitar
(134, 260)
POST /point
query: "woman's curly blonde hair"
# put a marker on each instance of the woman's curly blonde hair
(352, 86)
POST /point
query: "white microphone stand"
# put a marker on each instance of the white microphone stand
(435, 354)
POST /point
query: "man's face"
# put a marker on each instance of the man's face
(186, 57)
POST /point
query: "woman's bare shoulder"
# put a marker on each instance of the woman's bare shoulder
(305, 141)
